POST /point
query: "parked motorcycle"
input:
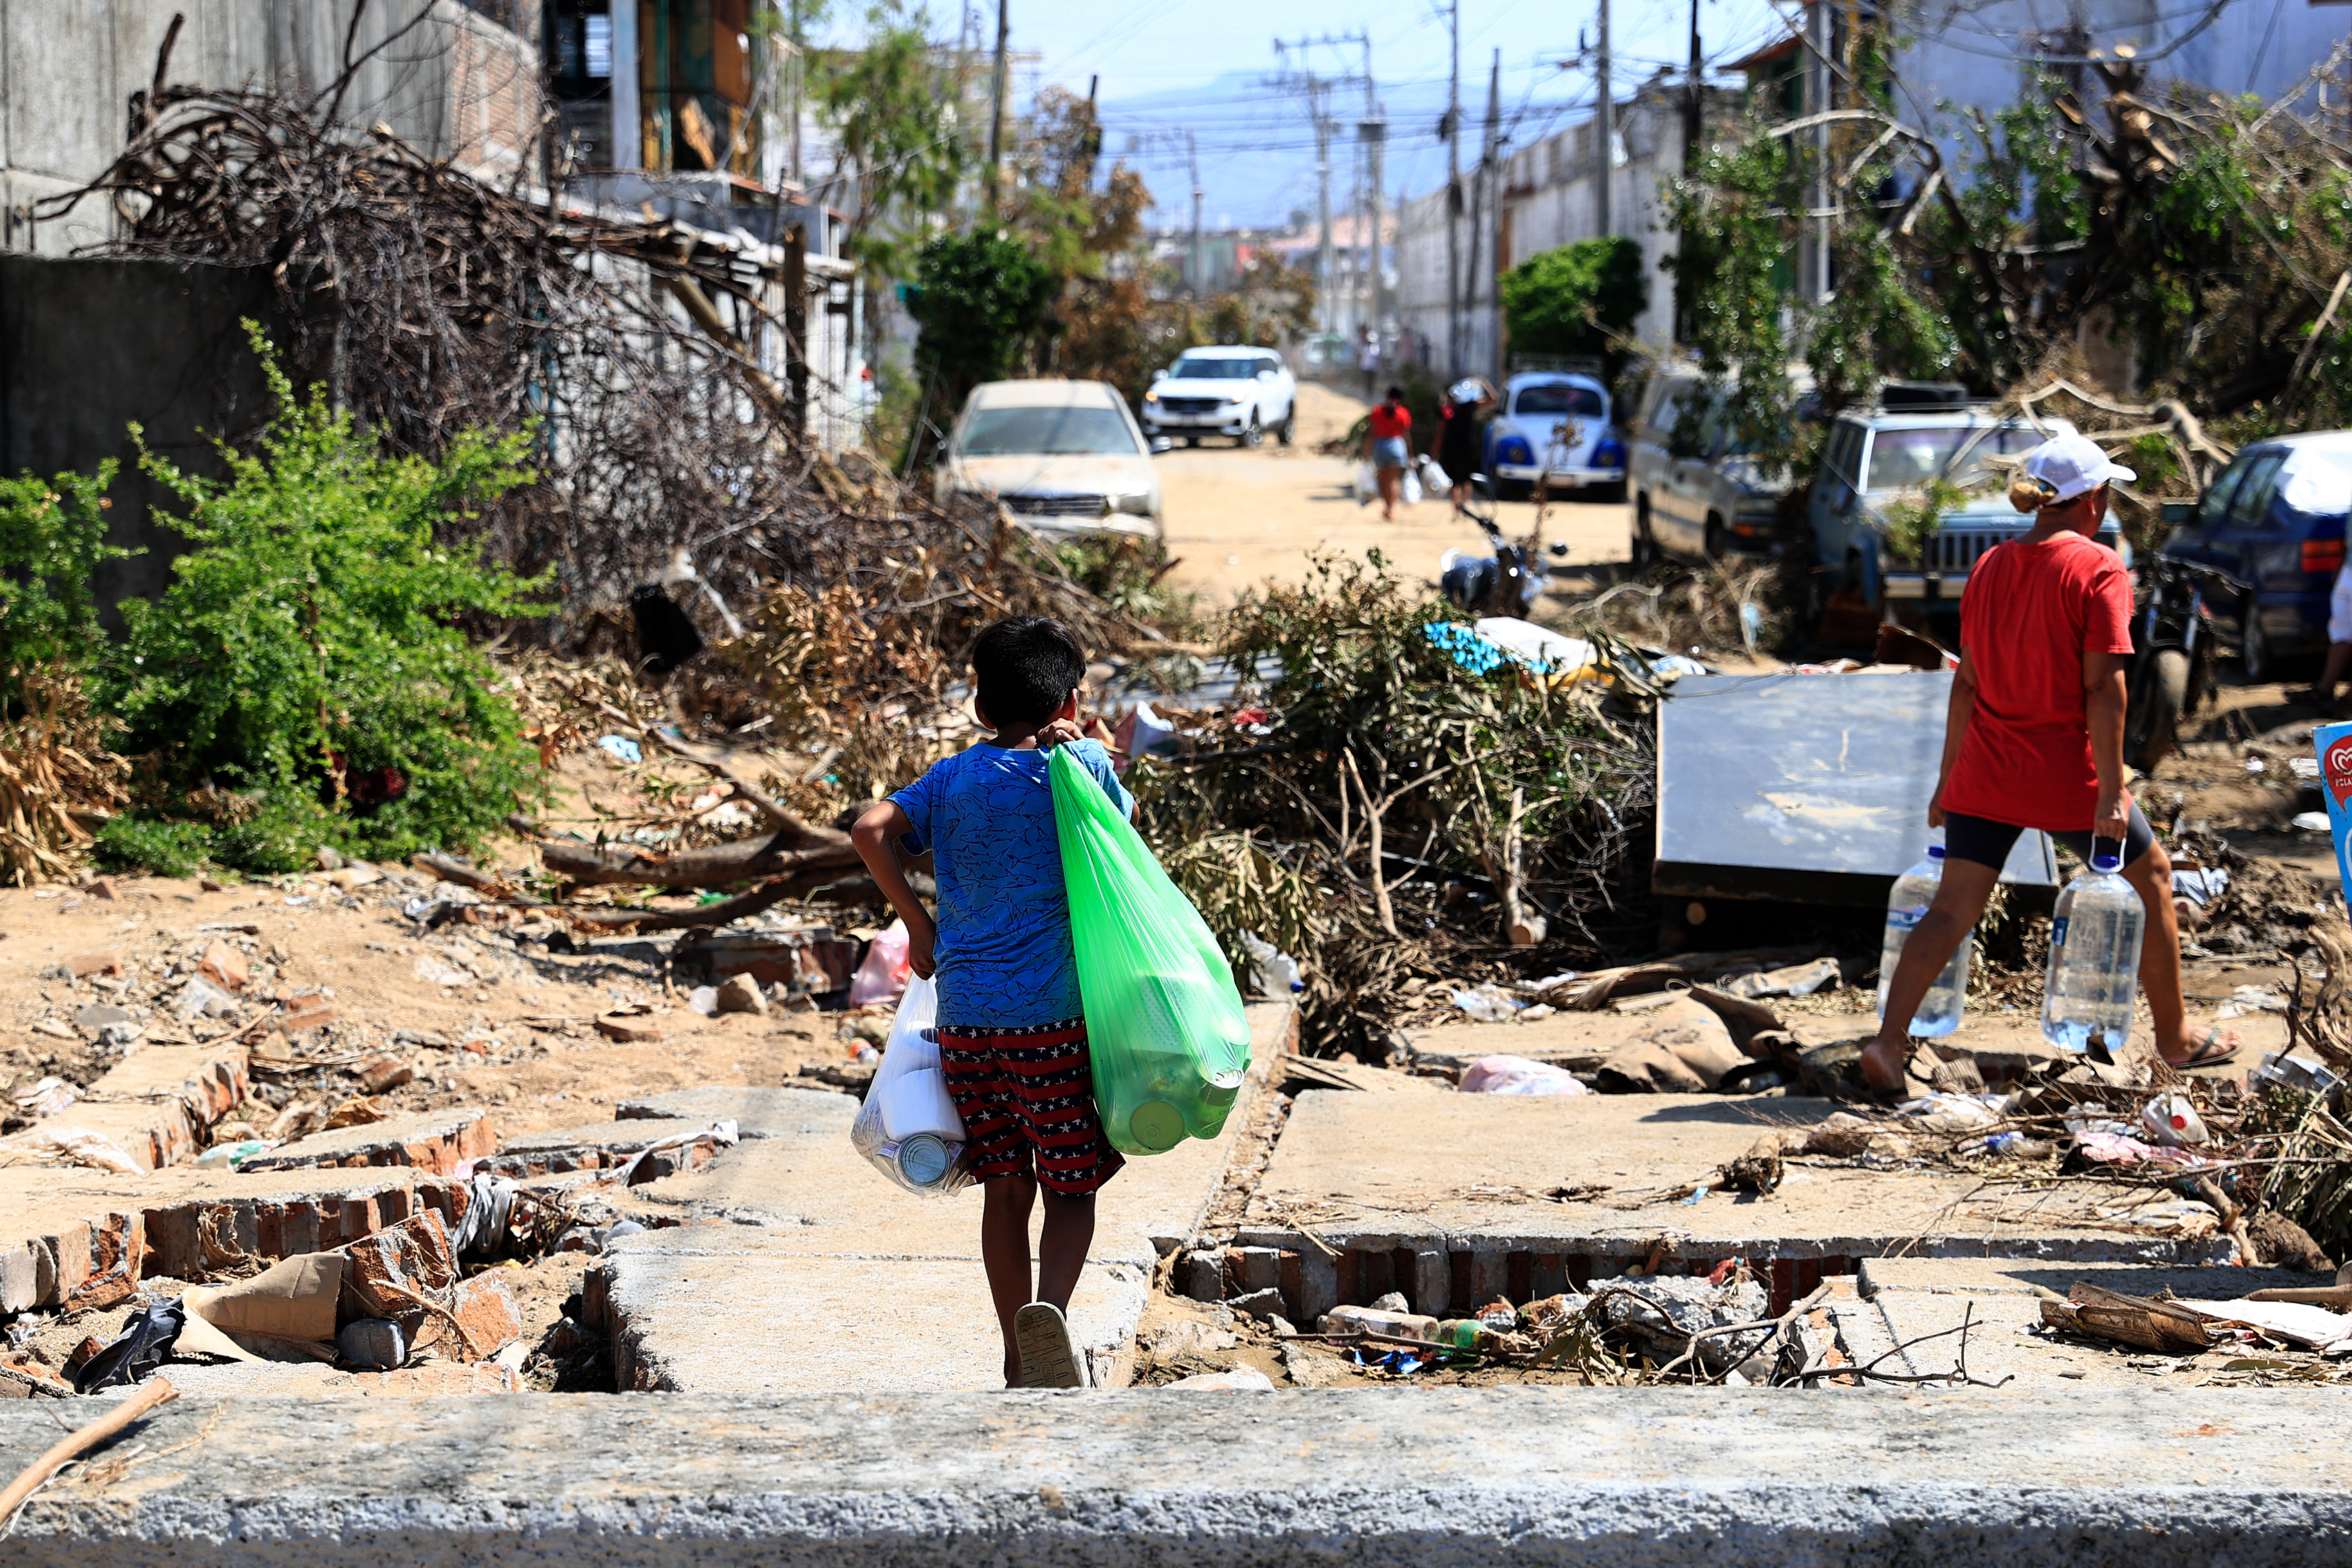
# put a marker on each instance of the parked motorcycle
(1508, 582)
(2173, 645)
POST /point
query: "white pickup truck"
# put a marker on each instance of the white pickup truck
(1241, 392)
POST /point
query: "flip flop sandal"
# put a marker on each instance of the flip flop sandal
(2205, 1055)
(1048, 1359)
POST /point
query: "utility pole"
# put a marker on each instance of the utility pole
(1454, 198)
(996, 114)
(1192, 159)
(1694, 129)
(1492, 162)
(1323, 274)
(1376, 134)
(1605, 130)
(1817, 79)
(799, 85)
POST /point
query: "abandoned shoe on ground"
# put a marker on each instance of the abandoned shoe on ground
(1048, 1359)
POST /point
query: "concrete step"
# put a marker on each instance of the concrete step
(1381, 1478)
(756, 1113)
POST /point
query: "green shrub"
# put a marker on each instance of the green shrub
(1574, 300)
(304, 651)
(980, 301)
(147, 843)
(52, 542)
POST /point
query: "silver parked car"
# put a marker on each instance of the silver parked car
(1694, 496)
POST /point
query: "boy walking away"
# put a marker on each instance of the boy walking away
(1013, 1034)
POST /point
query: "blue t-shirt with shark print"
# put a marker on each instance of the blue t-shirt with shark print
(987, 815)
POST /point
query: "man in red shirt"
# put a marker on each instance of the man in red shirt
(2034, 738)
(1388, 447)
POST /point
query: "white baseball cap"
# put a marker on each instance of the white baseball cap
(2072, 465)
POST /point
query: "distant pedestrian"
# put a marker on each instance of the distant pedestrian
(1012, 1029)
(2034, 738)
(1459, 450)
(1368, 359)
(1388, 447)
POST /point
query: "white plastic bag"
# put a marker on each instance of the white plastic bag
(1519, 1075)
(1434, 480)
(1368, 484)
(908, 1127)
(1409, 493)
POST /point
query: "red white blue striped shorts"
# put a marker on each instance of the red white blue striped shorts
(1027, 1096)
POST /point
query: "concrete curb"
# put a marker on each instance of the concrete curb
(1462, 1478)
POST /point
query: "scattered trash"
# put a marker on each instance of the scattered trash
(2293, 1072)
(201, 998)
(1381, 1318)
(1488, 1003)
(1239, 1380)
(704, 999)
(374, 1343)
(2309, 821)
(1276, 974)
(144, 1344)
(230, 1156)
(2171, 1120)
(1953, 1112)
(621, 748)
(1519, 1075)
(1796, 980)
(46, 1098)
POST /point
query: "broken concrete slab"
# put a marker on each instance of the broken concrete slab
(314, 1381)
(1503, 1478)
(436, 1141)
(152, 1108)
(2038, 1278)
(1368, 1193)
(757, 1113)
(603, 1147)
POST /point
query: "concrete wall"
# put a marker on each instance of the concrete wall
(1550, 197)
(452, 82)
(86, 348)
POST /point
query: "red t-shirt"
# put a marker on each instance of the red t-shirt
(1390, 420)
(2028, 616)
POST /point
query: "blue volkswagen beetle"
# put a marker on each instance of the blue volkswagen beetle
(1556, 427)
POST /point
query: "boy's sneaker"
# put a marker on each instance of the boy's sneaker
(1048, 1359)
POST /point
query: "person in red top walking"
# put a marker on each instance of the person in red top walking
(1388, 447)
(2034, 738)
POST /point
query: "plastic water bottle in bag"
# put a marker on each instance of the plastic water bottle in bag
(908, 1129)
(1914, 895)
(2094, 939)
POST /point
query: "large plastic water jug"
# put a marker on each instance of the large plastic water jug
(2095, 939)
(1906, 905)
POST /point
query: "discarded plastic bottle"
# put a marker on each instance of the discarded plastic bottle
(1376, 1320)
(1276, 971)
(2094, 939)
(2014, 1142)
(1468, 1334)
(1906, 905)
(2172, 1121)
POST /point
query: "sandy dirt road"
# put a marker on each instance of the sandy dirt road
(1237, 518)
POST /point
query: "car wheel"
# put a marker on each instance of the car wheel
(1288, 430)
(2254, 658)
(1645, 544)
(1713, 537)
(1255, 434)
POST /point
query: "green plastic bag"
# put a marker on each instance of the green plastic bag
(1164, 1023)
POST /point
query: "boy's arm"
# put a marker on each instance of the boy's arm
(878, 831)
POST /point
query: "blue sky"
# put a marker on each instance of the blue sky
(1168, 66)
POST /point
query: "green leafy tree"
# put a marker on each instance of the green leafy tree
(1578, 299)
(903, 137)
(980, 301)
(304, 655)
(52, 542)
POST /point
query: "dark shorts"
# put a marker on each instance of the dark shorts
(1987, 842)
(1027, 1100)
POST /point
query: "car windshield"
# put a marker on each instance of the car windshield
(1557, 398)
(1194, 368)
(1047, 432)
(1907, 459)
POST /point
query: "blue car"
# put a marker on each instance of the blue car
(2275, 521)
(1555, 427)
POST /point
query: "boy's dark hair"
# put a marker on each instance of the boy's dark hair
(1396, 395)
(1024, 666)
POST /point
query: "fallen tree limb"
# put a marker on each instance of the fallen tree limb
(783, 853)
(724, 913)
(765, 804)
(159, 1391)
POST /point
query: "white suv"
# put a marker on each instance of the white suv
(1240, 392)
